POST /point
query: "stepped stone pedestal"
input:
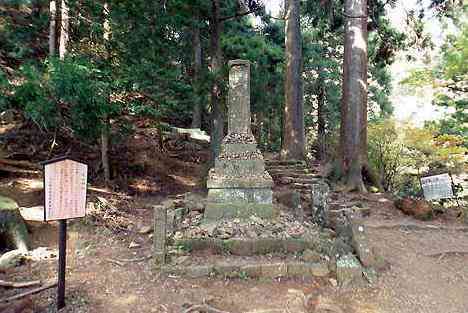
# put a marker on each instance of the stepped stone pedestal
(238, 184)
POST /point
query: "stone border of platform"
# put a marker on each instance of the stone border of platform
(249, 247)
(289, 269)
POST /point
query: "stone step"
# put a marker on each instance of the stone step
(295, 175)
(284, 163)
(287, 167)
(290, 180)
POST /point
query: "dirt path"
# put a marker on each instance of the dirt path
(414, 282)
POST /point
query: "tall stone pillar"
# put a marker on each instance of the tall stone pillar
(238, 184)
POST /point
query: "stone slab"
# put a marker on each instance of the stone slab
(247, 195)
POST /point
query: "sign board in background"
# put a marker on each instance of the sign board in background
(65, 189)
(437, 187)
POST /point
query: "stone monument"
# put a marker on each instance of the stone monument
(238, 184)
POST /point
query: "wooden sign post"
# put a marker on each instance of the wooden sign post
(65, 182)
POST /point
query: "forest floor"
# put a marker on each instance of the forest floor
(427, 272)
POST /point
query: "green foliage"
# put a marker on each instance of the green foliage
(386, 153)
(33, 97)
(400, 154)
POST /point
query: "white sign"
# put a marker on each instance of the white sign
(437, 187)
(65, 189)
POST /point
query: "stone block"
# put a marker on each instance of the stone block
(242, 247)
(292, 245)
(297, 269)
(199, 271)
(250, 195)
(319, 269)
(266, 245)
(360, 243)
(274, 270)
(349, 271)
(251, 270)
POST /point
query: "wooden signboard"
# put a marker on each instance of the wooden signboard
(65, 183)
(437, 187)
(65, 189)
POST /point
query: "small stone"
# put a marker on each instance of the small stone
(134, 245)
(145, 229)
(181, 260)
(333, 282)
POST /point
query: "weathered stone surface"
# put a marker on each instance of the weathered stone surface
(311, 256)
(13, 231)
(251, 270)
(320, 203)
(420, 209)
(11, 259)
(159, 238)
(240, 195)
(360, 243)
(348, 271)
(319, 269)
(199, 271)
(239, 174)
(274, 270)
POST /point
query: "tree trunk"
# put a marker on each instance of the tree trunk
(106, 123)
(293, 145)
(196, 82)
(353, 131)
(321, 122)
(52, 25)
(64, 28)
(217, 123)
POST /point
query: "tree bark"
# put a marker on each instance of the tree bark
(321, 122)
(217, 122)
(106, 123)
(197, 68)
(52, 25)
(293, 145)
(64, 29)
(353, 131)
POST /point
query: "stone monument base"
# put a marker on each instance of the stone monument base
(216, 211)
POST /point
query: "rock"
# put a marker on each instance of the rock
(333, 282)
(320, 203)
(145, 229)
(311, 256)
(13, 230)
(134, 245)
(370, 275)
(11, 259)
(420, 209)
(360, 243)
(348, 271)
(199, 271)
(342, 247)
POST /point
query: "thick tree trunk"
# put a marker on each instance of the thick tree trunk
(197, 68)
(293, 145)
(52, 25)
(353, 132)
(64, 29)
(217, 123)
(321, 123)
